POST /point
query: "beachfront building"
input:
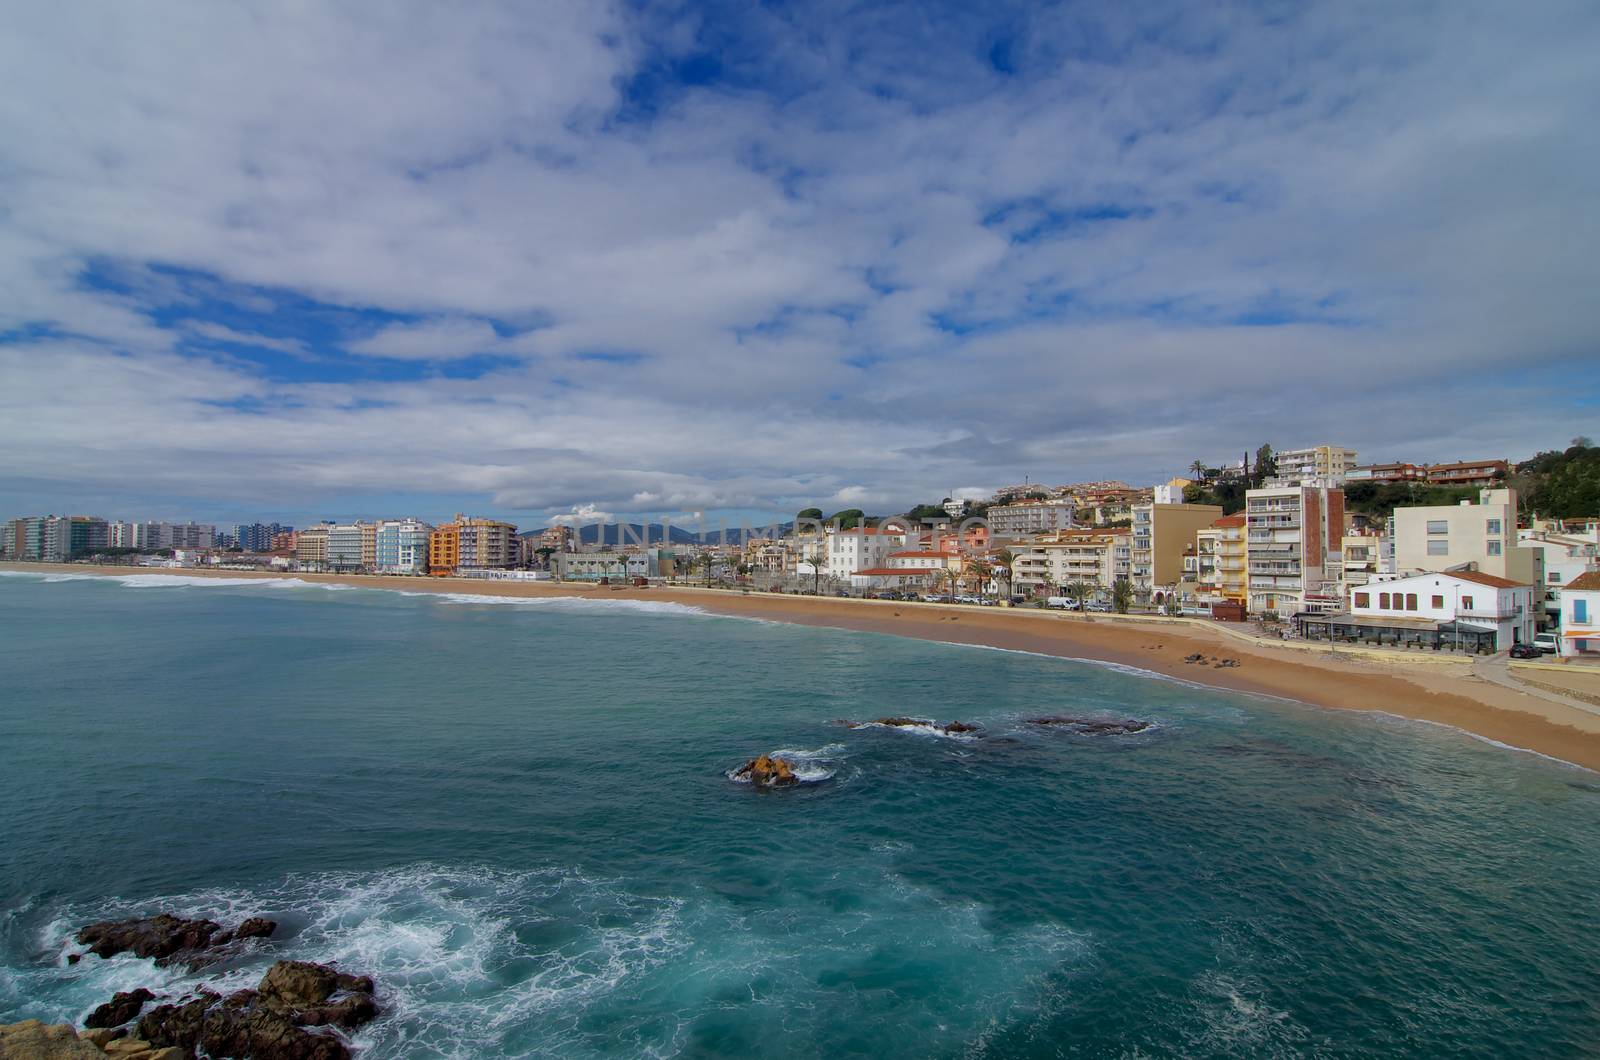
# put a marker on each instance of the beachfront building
(862, 548)
(1469, 609)
(352, 546)
(1162, 533)
(1220, 562)
(1320, 465)
(1030, 517)
(470, 544)
(311, 547)
(401, 546)
(608, 564)
(1482, 535)
(1359, 559)
(57, 538)
(1579, 627)
(1288, 536)
(1046, 563)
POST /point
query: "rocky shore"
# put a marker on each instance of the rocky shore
(298, 1011)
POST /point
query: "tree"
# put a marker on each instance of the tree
(1122, 595)
(810, 513)
(848, 519)
(544, 553)
(816, 573)
(1266, 464)
(1004, 558)
(952, 575)
(1078, 592)
(1199, 469)
(982, 570)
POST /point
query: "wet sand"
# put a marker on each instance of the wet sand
(1425, 688)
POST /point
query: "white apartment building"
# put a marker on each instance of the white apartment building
(352, 546)
(1030, 517)
(862, 548)
(1288, 531)
(1320, 465)
(1564, 558)
(1442, 537)
(1050, 561)
(1474, 600)
(402, 546)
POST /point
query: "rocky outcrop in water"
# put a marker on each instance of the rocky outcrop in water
(1093, 726)
(271, 1022)
(167, 938)
(766, 771)
(120, 1009)
(954, 728)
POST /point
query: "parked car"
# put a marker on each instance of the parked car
(1100, 607)
(1525, 651)
(1546, 642)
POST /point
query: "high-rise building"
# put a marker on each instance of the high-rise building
(1291, 532)
(1030, 517)
(352, 546)
(1220, 571)
(402, 546)
(311, 546)
(258, 537)
(471, 544)
(1320, 465)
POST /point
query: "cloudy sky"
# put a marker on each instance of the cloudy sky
(294, 260)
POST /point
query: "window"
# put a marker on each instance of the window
(1362, 599)
(1438, 603)
(1438, 526)
(1466, 603)
(1494, 548)
(1411, 601)
(1383, 601)
(1554, 577)
(1580, 610)
(1439, 548)
(1494, 528)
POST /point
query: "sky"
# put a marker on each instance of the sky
(575, 261)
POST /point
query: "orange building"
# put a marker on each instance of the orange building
(471, 544)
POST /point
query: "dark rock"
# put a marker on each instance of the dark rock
(1093, 726)
(74, 958)
(765, 771)
(256, 927)
(955, 728)
(120, 1009)
(268, 1023)
(162, 936)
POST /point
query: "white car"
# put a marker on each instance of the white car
(1546, 642)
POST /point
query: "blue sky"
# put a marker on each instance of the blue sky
(569, 261)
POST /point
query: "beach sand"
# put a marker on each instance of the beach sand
(1424, 688)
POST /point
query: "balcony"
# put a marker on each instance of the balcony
(1490, 615)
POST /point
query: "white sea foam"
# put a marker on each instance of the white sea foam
(809, 766)
(922, 727)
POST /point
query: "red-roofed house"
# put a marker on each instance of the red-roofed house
(1497, 610)
(1580, 615)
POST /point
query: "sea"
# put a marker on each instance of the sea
(520, 817)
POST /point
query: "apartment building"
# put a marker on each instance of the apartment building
(56, 538)
(1484, 535)
(1161, 535)
(863, 548)
(352, 546)
(471, 544)
(1468, 473)
(311, 546)
(1563, 558)
(1030, 517)
(258, 537)
(1360, 558)
(1220, 561)
(401, 546)
(1384, 474)
(1046, 563)
(1320, 465)
(1289, 531)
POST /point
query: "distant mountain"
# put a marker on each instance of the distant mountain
(632, 533)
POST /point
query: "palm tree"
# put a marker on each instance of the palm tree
(953, 576)
(1122, 595)
(1199, 469)
(1004, 558)
(1078, 592)
(982, 570)
(816, 574)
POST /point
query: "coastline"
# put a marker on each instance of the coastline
(1438, 690)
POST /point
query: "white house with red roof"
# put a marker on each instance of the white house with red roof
(1580, 616)
(863, 548)
(1471, 599)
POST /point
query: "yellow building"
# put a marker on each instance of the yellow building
(311, 546)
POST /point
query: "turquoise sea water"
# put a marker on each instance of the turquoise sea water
(516, 815)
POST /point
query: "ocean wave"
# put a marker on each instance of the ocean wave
(922, 727)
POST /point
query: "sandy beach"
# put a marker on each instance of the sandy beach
(1441, 690)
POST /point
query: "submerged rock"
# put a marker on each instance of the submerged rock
(766, 771)
(1093, 726)
(954, 728)
(167, 938)
(269, 1022)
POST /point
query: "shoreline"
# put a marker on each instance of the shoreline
(1440, 690)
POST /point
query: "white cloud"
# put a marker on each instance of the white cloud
(898, 271)
(580, 515)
